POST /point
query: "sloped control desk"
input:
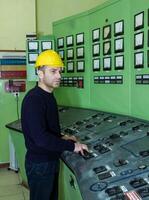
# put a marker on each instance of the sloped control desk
(117, 166)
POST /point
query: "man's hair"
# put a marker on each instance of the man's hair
(42, 68)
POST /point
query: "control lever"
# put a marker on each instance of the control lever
(87, 154)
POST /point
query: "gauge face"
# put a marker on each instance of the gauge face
(61, 53)
(139, 59)
(60, 42)
(119, 28)
(139, 21)
(139, 40)
(33, 46)
(119, 62)
(96, 35)
(69, 40)
(99, 186)
(80, 38)
(107, 32)
(70, 66)
(45, 45)
(107, 63)
(69, 53)
(80, 66)
(107, 48)
(80, 52)
(96, 64)
(119, 45)
(96, 50)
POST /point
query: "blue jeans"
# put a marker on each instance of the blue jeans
(42, 180)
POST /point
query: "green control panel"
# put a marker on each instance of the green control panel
(108, 47)
(106, 55)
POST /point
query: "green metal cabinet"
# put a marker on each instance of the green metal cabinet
(68, 187)
(18, 141)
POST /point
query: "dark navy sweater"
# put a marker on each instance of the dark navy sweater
(40, 126)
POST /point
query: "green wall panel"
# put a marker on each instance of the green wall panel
(140, 93)
(103, 97)
(112, 97)
(67, 190)
(128, 98)
(75, 96)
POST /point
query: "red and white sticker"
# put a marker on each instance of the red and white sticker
(132, 195)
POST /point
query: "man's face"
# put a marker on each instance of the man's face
(51, 76)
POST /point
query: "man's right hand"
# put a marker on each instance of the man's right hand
(79, 148)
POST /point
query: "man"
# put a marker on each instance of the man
(41, 129)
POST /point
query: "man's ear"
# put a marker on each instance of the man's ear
(40, 74)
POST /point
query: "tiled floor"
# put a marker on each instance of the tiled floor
(10, 186)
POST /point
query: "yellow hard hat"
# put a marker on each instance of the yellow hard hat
(49, 58)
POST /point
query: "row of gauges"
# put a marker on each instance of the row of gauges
(118, 30)
(118, 46)
(107, 64)
(139, 24)
(70, 40)
(34, 47)
(70, 55)
(73, 66)
(79, 65)
(119, 27)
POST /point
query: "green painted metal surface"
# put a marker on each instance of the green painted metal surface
(140, 93)
(128, 98)
(18, 141)
(8, 113)
(68, 187)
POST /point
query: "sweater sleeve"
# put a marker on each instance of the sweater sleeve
(34, 125)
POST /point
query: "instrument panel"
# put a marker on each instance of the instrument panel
(117, 165)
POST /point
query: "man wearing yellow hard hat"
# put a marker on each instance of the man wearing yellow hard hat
(41, 129)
